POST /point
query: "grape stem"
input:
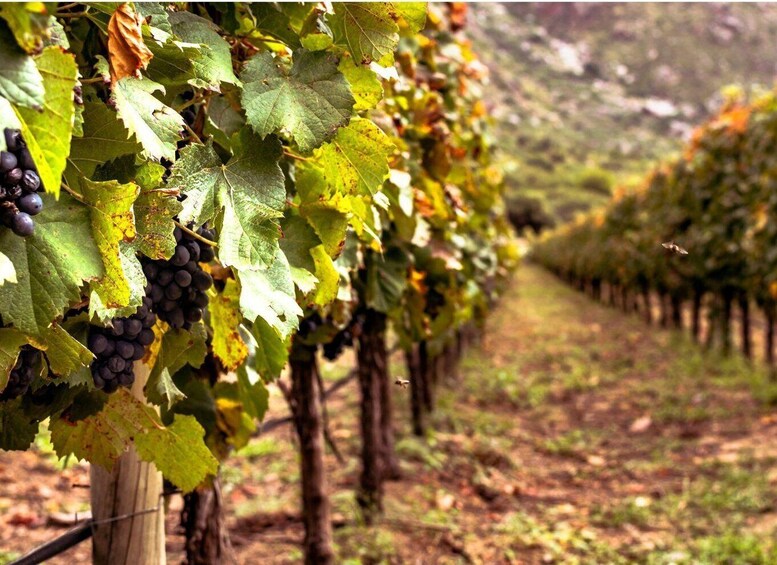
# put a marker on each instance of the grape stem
(294, 155)
(195, 235)
(72, 193)
(190, 131)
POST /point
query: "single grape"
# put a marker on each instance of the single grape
(25, 159)
(116, 364)
(132, 327)
(125, 349)
(193, 314)
(149, 321)
(8, 161)
(168, 305)
(206, 254)
(202, 280)
(13, 139)
(177, 234)
(97, 343)
(22, 224)
(151, 271)
(176, 318)
(146, 337)
(30, 180)
(139, 352)
(173, 291)
(165, 276)
(31, 203)
(157, 293)
(183, 278)
(181, 256)
(14, 176)
(118, 327)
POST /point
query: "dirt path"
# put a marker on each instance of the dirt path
(576, 435)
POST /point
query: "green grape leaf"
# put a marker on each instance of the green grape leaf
(113, 221)
(253, 393)
(355, 162)
(249, 192)
(7, 270)
(306, 103)
(48, 133)
(11, 341)
(20, 81)
(330, 225)
(102, 437)
(155, 14)
(155, 209)
(17, 430)
(412, 15)
(50, 265)
(329, 278)
(177, 349)
(104, 138)
(173, 62)
(386, 279)
(297, 241)
(368, 30)
(269, 294)
(270, 351)
(225, 318)
(179, 451)
(29, 22)
(157, 127)
(365, 85)
(271, 21)
(134, 281)
(65, 353)
(215, 65)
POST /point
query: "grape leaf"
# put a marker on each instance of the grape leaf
(225, 318)
(10, 342)
(355, 161)
(48, 133)
(17, 430)
(29, 22)
(329, 278)
(412, 16)
(273, 22)
(64, 352)
(297, 241)
(179, 451)
(127, 52)
(20, 81)
(368, 30)
(253, 393)
(156, 126)
(113, 221)
(50, 265)
(102, 437)
(177, 349)
(386, 279)
(134, 281)
(269, 294)
(155, 209)
(7, 270)
(365, 85)
(270, 351)
(104, 138)
(215, 64)
(249, 192)
(307, 103)
(330, 224)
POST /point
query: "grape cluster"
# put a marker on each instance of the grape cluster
(19, 186)
(177, 285)
(334, 348)
(119, 346)
(22, 374)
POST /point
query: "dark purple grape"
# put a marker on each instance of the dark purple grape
(8, 161)
(157, 293)
(98, 381)
(206, 254)
(14, 176)
(25, 159)
(146, 337)
(183, 278)
(116, 364)
(132, 327)
(191, 267)
(168, 305)
(31, 203)
(165, 276)
(125, 349)
(202, 280)
(193, 314)
(173, 291)
(177, 234)
(13, 139)
(149, 321)
(97, 343)
(200, 300)
(180, 257)
(151, 271)
(139, 352)
(176, 318)
(30, 180)
(109, 349)
(194, 250)
(126, 379)
(13, 192)
(118, 327)
(22, 224)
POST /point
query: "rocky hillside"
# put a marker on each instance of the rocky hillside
(586, 96)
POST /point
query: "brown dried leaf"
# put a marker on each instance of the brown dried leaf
(127, 52)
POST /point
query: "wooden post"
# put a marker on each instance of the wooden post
(744, 308)
(134, 489)
(416, 393)
(371, 367)
(677, 311)
(202, 517)
(309, 421)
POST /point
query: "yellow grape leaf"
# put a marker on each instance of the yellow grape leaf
(126, 49)
(225, 318)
